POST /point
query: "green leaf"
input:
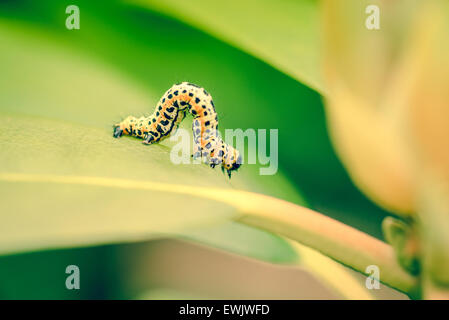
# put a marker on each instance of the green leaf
(284, 33)
(78, 208)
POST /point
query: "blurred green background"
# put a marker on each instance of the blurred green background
(60, 92)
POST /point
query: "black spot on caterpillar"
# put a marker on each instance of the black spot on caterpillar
(170, 111)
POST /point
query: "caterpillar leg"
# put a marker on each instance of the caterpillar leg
(214, 151)
(150, 138)
(202, 144)
(118, 132)
(196, 129)
(124, 127)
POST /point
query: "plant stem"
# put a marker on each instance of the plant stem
(326, 235)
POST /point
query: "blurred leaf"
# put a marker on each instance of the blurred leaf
(363, 109)
(170, 294)
(427, 98)
(340, 279)
(244, 240)
(41, 275)
(214, 274)
(284, 33)
(388, 114)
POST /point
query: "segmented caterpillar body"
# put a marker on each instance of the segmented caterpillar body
(171, 109)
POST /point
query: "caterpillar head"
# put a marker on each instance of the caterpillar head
(232, 160)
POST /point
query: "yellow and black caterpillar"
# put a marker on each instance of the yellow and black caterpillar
(170, 111)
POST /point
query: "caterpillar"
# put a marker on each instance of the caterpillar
(172, 108)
